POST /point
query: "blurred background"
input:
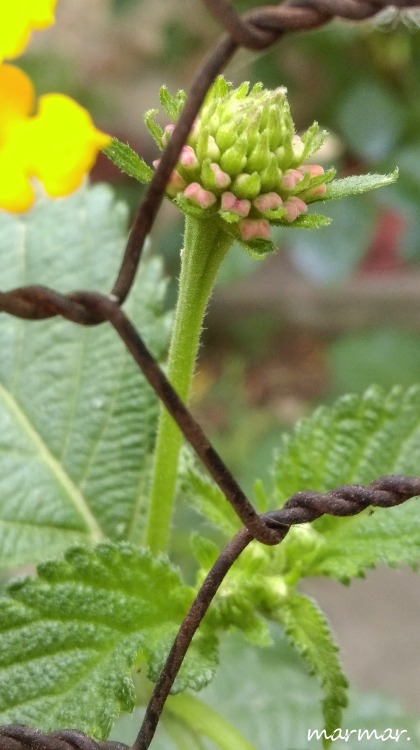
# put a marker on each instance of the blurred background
(334, 310)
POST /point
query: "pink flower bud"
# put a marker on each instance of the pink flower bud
(254, 229)
(231, 203)
(290, 179)
(175, 184)
(268, 202)
(294, 207)
(188, 158)
(169, 129)
(221, 179)
(316, 192)
(199, 196)
(314, 170)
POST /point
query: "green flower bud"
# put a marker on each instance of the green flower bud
(226, 135)
(213, 178)
(260, 154)
(247, 185)
(234, 159)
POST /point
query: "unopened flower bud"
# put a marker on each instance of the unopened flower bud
(167, 133)
(196, 194)
(233, 160)
(254, 229)
(247, 185)
(226, 136)
(242, 163)
(268, 202)
(290, 179)
(213, 177)
(294, 207)
(298, 148)
(231, 204)
(188, 158)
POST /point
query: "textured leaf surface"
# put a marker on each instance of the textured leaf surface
(173, 105)
(76, 417)
(202, 493)
(358, 184)
(311, 221)
(357, 440)
(308, 631)
(128, 161)
(70, 637)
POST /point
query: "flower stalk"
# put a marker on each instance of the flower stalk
(204, 249)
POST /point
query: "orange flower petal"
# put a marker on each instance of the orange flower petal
(16, 98)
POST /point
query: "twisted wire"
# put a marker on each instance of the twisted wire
(255, 30)
(17, 737)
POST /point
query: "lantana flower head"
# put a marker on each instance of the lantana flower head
(244, 164)
(55, 143)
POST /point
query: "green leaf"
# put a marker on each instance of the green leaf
(77, 419)
(154, 129)
(309, 633)
(128, 161)
(71, 637)
(276, 707)
(203, 495)
(204, 550)
(357, 440)
(173, 105)
(310, 221)
(357, 184)
(313, 139)
(258, 249)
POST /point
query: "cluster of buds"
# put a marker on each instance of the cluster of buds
(243, 162)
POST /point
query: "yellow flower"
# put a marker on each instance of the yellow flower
(18, 19)
(57, 145)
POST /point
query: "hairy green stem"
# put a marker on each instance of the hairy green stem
(205, 246)
(206, 722)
